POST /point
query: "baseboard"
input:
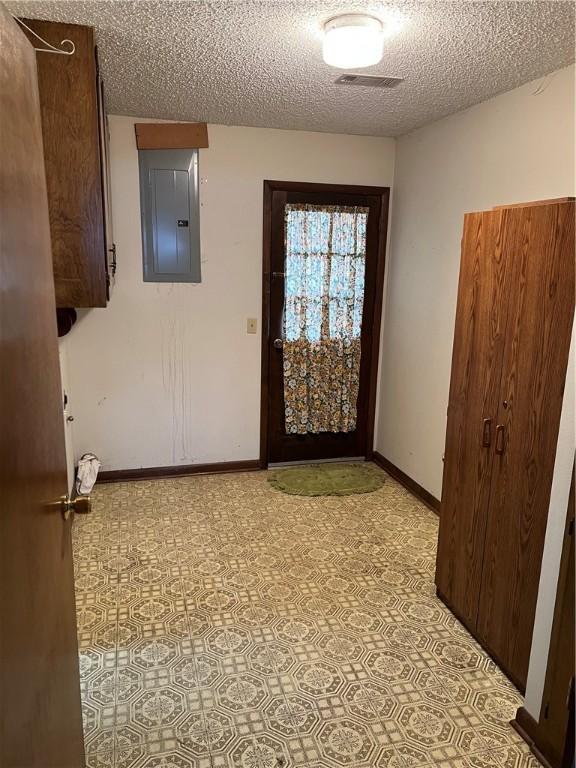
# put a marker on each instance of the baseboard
(411, 485)
(525, 725)
(528, 728)
(149, 473)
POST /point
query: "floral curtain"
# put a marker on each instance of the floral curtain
(325, 250)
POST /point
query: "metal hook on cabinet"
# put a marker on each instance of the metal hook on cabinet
(50, 48)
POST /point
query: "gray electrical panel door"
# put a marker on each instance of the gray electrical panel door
(170, 215)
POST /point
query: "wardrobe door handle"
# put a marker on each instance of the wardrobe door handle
(487, 433)
(500, 439)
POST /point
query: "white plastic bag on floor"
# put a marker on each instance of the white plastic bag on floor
(88, 467)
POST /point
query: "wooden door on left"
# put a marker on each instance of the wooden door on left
(41, 717)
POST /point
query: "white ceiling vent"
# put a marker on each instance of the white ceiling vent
(369, 81)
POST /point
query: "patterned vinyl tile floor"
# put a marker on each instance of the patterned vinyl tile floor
(223, 624)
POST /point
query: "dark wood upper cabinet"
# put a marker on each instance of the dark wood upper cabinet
(512, 337)
(75, 155)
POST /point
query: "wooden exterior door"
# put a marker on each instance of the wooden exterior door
(276, 444)
(472, 411)
(41, 721)
(540, 259)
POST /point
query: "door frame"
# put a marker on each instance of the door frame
(41, 712)
(296, 186)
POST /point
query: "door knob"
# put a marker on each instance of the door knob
(81, 505)
(277, 343)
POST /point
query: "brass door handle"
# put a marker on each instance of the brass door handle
(487, 433)
(500, 439)
(277, 343)
(82, 505)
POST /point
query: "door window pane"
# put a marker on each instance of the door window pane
(325, 269)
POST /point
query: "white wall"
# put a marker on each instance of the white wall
(167, 374)
(515, 147)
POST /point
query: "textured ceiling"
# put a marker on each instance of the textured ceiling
(259, 63)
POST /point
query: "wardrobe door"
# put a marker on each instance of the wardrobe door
(540, 255)
(472, 408)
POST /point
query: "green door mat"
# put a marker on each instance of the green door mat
(327, 479)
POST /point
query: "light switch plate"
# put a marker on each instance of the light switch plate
(251, 325)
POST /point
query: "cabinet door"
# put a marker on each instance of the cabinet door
(540, 245)
(68, 103)
(472, 409)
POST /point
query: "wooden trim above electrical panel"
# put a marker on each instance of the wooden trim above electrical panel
(171, 135)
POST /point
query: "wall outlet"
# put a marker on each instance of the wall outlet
(251, 325)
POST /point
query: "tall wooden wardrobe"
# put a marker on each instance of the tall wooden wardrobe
(512, 336)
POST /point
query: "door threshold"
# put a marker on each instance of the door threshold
(277, 464)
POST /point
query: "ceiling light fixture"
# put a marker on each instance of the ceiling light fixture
(352, 41)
